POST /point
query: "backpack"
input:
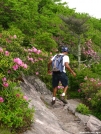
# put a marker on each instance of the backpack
(57, 63)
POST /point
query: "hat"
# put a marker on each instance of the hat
(64, 49)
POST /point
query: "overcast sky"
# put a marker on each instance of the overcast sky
(92, 7)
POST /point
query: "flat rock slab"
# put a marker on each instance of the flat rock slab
(48, 119)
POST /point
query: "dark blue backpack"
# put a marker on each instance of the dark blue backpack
(57, 63)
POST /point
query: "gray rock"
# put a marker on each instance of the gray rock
(94, 124)
(38, 84)
(56, 119)
(84, 118)
(72, 104)
(45, 122)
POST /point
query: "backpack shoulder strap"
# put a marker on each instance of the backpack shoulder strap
(55, 57)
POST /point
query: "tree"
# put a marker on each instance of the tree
(78, 27)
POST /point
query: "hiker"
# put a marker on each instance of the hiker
(59, 75)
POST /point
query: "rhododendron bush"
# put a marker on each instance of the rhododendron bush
(14, 111)
(91, 89)
(15, 61)
(89, 53)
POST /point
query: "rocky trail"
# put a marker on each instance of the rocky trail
(56, 119)
(66, 118)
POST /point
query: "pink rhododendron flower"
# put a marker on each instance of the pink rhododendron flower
(30, 59)
(25, 97)
(15, 67)
(5, 84)
(1, 99)
(1, 50)
(30, 50)
(60, 87)
(25, 66)
(14, 36)
(4, 79)
(18, 61)
(8, 40)
(79, 90)
(37, 73)
(99, 83)
(6, 53)
(92, 79)
(9, 71)
(18, 95)
(38, 51)
(34, 50)
(40, 59)
(36, 60)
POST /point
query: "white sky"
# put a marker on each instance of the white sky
(92, 7)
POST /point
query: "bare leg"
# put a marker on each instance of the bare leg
(54, 91)
(65, 90)
(54, 95)
(62, 98)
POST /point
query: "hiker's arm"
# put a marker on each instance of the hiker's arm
(49, 64)
(69, 68)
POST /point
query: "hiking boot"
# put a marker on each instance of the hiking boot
(53, 102)
(62, 98)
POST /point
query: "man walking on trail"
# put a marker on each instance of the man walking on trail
(59, 75)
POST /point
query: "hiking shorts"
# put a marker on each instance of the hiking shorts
(59, 76)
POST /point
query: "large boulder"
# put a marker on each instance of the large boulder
(94, 125)
(45, 122)
(57, 119)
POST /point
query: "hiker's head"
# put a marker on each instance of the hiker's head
(64, 49)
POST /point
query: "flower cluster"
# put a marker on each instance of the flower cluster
(60, 85)
(91, 89)
(20, 96)
(13, 103)
(6, 53)
(1, 100)
(30, 53)
(12, 67)
(5, 83)
(88, 51)
(33, 57)
(33, 50)
(10, 38)
(19, 63)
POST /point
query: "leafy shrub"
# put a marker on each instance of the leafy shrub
(45, 40)
(11, 40)
(13, 67)
(60, 90)
(83, 109)
(4, 130)
(14, 111)
(96, 68)
(97, 114)
(74, 82)
(91, 89)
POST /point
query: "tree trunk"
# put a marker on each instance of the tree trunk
(79, 52)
